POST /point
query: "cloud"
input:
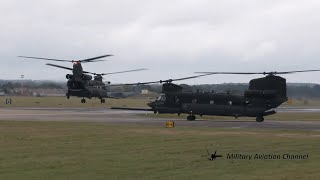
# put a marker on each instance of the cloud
(175, 36)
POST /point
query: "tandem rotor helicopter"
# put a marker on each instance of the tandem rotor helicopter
(263, 95)
(80, 83)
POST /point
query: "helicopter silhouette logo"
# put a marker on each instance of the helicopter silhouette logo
(211, 156)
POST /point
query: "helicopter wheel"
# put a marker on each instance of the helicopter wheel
(259, 119)
(191, 118)
(103, 101)
(83, 100)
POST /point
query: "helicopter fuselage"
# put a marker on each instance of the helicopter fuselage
(86, 88)
(220, 104)
(82, 85)
(263, 95)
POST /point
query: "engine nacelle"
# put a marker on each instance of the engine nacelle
(69, 76)
(86, 77)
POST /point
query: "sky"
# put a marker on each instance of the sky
(172, 38)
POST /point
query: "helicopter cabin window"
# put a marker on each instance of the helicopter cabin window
(176, 99)
(162, 97)
(211, 101)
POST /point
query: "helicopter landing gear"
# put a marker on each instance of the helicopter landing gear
(103, 100)
(68, 96)
(191, 118)
(83, 100)
(259, 119)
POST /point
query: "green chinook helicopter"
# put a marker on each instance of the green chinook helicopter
(80, 82)
(262, 97)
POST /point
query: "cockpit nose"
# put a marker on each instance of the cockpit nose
(151, 104)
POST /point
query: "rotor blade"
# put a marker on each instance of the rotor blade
(131, 109)
(45, 58)
(263, 73)
(142, 83)
(185, 78)
(164, 81)
(94, 58)
(210, 73)
(92, 61)
(58, 66)
(62, 67)
(87, 72)
(289, 72)
(132, 84)
(119, 72)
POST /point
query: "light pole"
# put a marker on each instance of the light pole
(22, 76)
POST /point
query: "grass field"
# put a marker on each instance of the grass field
(280, 116)
(63, 150)
(21, 101)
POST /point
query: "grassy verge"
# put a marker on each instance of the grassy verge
(21, 101)
(281, 116)
(64, 150)
(72, 102)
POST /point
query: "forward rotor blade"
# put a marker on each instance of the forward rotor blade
(92, 61)
(185, 78)
(131, 84)
(244, 73)
(169, 80)
(87, 72)
(95, 58)
(119, 72)
(58, 66)
(45, 58)
(62, 67)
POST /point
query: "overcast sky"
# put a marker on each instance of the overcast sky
(172, 38)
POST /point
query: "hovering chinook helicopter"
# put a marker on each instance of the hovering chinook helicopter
(80, 83)
(264, 94)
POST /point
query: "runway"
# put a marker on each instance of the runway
(141, 118)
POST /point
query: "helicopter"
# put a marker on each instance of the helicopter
(262, 97)
(80, 83)
(211, 156)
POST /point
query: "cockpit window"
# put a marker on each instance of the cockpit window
(162, 97)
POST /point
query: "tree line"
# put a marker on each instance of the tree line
(294, 90)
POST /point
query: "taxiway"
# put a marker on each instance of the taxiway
(143, 118)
